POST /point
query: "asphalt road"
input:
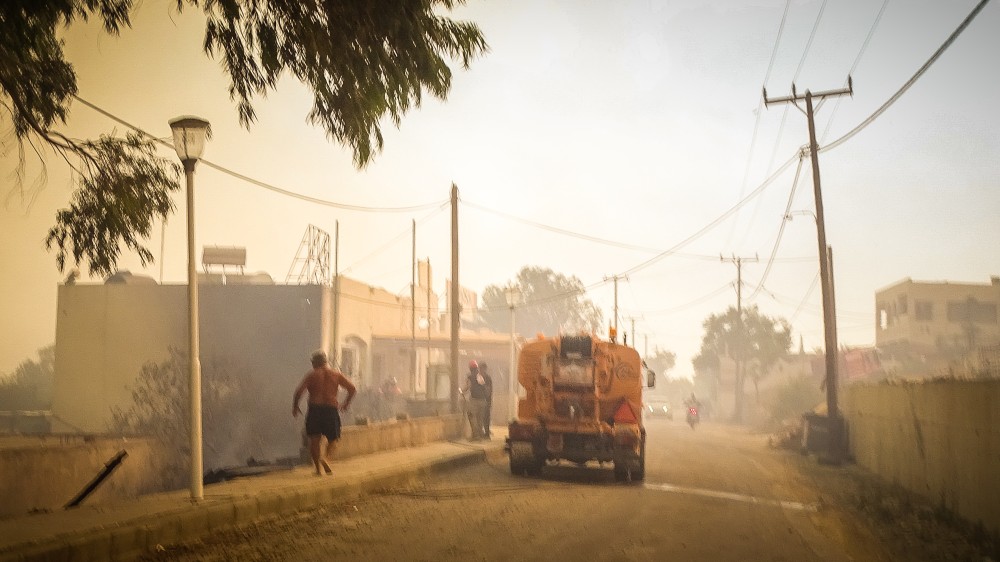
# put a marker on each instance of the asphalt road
(713, 493)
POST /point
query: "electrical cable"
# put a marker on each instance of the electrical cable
(695, 302)
(854, 66)
(760, 107)
(597, 240)
(802, 303)
(784, 113)
(715, 222)
(560, 230)
(920, 72)
(259, 183)
(781, 229)
(393, 240)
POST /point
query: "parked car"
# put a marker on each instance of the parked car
(659, 409)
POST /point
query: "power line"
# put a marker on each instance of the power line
(781, 229)
(759, 110)
(392, 240)
(259, 183)
(715, 222)
(920, 72)
(857, 60)
(695, 302)
(560, 230)
(597, 240)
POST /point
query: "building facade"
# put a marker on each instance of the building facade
(258, 333)
(932, 323)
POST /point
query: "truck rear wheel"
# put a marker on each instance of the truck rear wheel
(523, 459)
(632, 469)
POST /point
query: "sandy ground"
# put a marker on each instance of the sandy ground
(710, 494)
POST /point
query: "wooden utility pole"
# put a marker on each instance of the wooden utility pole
(454, 306)
(615, 278)
(335, 360)
(741, 354)
(413, 314)
(826, 281)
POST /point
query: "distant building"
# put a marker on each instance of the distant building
(922, 326)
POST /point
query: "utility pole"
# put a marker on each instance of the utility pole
(453, 305)
(835, 430)
(413, 314)
(635, 342)
(740, 359)
(336, 297)
(615, 278)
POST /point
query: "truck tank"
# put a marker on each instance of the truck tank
(583, 402)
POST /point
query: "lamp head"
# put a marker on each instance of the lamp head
(190, 134)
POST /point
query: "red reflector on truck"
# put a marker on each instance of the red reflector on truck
(624, 414)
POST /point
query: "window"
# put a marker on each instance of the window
(923, 310)
(901, 304)
(972, 310)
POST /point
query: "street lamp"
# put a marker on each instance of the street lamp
(190, 134)
(513, 299)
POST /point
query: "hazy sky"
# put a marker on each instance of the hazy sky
(629, 121)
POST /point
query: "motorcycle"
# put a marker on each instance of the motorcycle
(692, 416)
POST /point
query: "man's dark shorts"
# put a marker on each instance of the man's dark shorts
(323, 420)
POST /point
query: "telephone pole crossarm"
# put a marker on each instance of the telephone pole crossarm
(848, 91)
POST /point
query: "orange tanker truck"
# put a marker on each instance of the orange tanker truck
(583, 403)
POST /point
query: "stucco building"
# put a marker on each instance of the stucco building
(929, 324)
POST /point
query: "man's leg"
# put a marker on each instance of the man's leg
(477, 421)
(331, 446)
(486, 419)
(314, 450)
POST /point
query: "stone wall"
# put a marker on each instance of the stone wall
(939, 439)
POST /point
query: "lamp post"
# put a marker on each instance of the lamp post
(513, 299)
(190, 134)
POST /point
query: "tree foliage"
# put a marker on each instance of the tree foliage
(124, 187)
(233, 427)
(550, 303)
(29, 387)
(755, 342)
(364, 60)
(661, 361)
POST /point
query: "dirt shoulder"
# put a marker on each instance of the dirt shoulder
(907, 526)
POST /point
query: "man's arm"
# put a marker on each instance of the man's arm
(298, 396)
(351, 390)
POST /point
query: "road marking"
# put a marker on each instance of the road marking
(798, 506)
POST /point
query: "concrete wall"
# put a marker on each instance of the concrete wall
(47, 472)
(106, 333)
(384, 436)
(939, 439)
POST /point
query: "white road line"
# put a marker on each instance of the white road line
(798, 506)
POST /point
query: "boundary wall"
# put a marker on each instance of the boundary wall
(43, 473)
(939, 439)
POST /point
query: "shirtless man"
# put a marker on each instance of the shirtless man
(322, 417)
